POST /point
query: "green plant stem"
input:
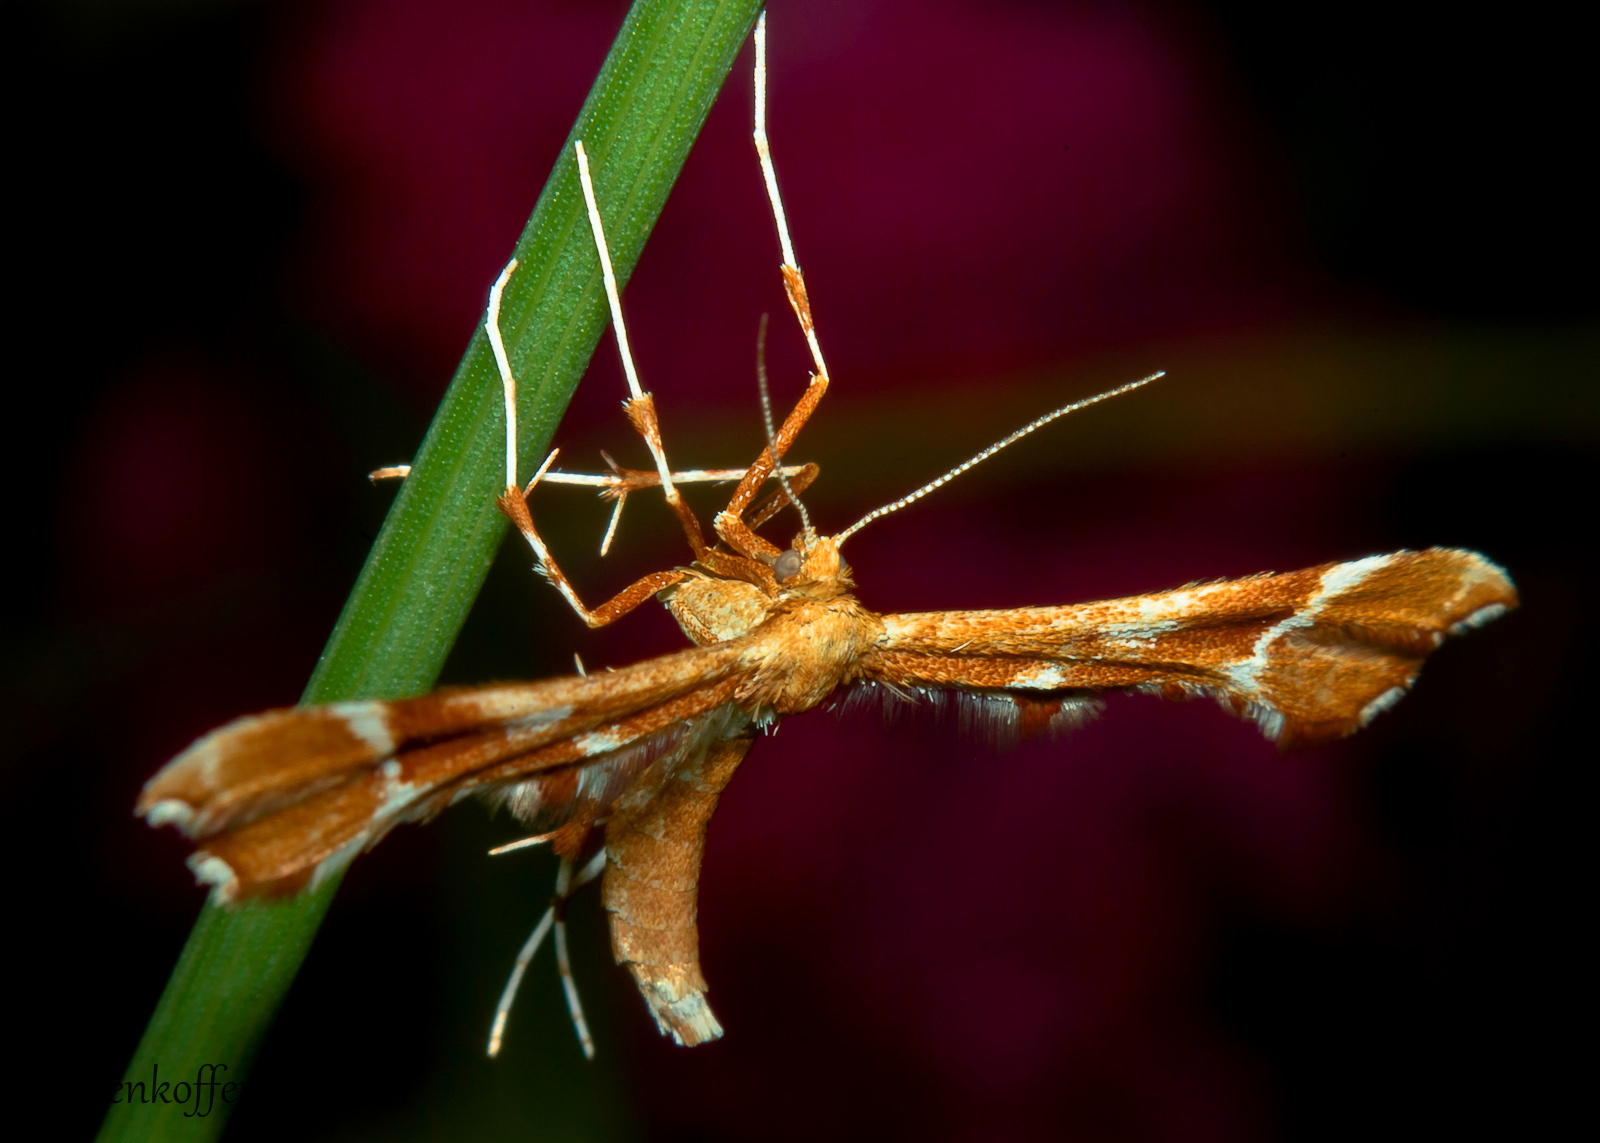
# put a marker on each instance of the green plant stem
(435, 548)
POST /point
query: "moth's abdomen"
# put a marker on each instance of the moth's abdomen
(655, 839)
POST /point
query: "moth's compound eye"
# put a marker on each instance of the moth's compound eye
(787, 566)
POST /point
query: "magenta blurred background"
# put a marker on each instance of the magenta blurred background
(256, 238)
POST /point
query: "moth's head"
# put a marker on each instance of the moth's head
(810, 560)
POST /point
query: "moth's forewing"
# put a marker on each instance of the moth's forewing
(1309, 655)
(285, 798)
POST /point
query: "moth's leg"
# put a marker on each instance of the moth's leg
(514, 502)
(729, 523)
(799, 480)
(640, 405)
(515, 505)
(620, 482)
(630, 479)
(508, 995)
(611, 525)
(566, 886)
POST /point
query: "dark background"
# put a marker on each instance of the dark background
(248, 243)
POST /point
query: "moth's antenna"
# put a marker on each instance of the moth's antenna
(878, 513)
(772, 440)
(566, 886)
(491, 325)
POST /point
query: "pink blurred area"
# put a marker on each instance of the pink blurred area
(973, 188)
(905, 933)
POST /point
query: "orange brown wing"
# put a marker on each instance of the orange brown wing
(1309, 655)
(284, 799)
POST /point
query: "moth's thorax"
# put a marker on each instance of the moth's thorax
(802, 642)
(713, 608)
(805, 649)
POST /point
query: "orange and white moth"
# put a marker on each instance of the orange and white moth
(621, 771)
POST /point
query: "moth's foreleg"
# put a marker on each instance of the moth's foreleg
(515, 505)
(643, 421)
(741, 536)
(799, 481)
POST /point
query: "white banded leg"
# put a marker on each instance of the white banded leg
(640, 405)
(566, 886)
(729, 523)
